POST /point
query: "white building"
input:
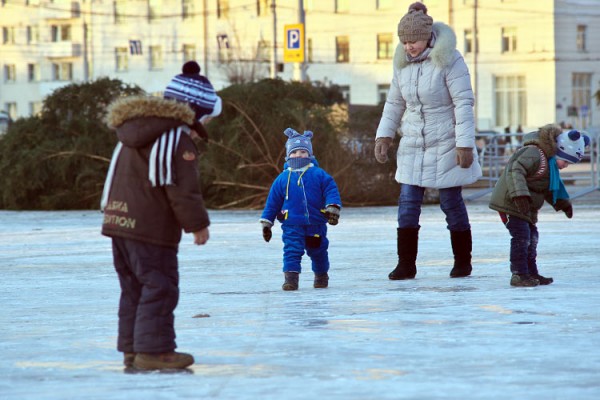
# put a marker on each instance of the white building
(537, 61)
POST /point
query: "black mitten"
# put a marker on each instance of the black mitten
(266, 230)
(568, 210)
(332, 212)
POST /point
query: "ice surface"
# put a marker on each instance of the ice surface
(364, 337)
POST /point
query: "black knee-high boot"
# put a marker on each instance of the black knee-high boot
(461, 247)
(408, 243)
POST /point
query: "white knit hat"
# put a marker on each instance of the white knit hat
(571, 146)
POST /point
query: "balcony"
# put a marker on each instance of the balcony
(65, 11)
(61, 50)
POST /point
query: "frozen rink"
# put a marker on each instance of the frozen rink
(364, 337)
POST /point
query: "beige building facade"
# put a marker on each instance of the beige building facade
(531, 62)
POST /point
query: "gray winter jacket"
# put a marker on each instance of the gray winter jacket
(432, 104)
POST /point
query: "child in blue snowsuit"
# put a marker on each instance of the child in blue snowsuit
(303, 198)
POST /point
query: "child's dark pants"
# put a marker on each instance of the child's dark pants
(149, 281)
(523, 245)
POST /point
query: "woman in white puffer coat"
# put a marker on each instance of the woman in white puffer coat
(431, 101)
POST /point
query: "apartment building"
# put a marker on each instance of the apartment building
(531, 62)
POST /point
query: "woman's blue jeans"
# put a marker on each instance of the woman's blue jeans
(451, 203)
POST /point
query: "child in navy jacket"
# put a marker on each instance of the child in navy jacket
(303, 198)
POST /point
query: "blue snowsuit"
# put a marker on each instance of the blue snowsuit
(298, 198)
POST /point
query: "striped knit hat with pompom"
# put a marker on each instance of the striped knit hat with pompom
(196, 90)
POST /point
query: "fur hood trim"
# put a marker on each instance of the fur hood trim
(442, 53)
(545, 139)
(133, 107)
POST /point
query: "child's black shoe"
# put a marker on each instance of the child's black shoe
(543, 280)
(523, 280)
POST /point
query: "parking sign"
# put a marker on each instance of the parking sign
(293, 50)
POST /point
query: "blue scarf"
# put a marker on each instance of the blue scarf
(557, 187)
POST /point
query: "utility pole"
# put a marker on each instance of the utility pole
(205, 36)
(475, 67)
(274, 47)
(300, 68)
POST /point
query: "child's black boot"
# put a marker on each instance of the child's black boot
(523, 280)
(543, 280)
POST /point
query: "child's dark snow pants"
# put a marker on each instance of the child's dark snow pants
(149, 281)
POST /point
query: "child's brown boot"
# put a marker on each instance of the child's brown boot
(170, 360)
(291, 281)
(321, 281)
(128, 359)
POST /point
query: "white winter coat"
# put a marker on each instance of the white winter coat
(432, 104)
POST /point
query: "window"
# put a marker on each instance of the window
(262, 7)
(121, 59)
(263, 52)
(510, 99)
(224, 48)
(8, 35)
(62, 71)
(10, 72)
(154, 8)
(342, 6)
(382, 91)
(581, 36)
(11, 110)
(345, 91)
(582, 91)
(509, 40)
(33, 34)
(187, 9)
(189, 52)
(384, 4)
(309, 50)
(61, 33)
(471, 44)
(156, 57)
(35, 108)
(33, 72)
(342, 49)
(222, 9)
(119, 11)
(385, 46)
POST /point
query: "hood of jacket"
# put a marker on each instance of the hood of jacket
(140, 120)
(442, 53)
(544, 138)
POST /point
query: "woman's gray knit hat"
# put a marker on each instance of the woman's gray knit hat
(415, 25)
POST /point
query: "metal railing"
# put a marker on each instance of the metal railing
(495, 149)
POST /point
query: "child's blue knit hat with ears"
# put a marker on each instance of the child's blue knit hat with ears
(298, 141)
(571, 146)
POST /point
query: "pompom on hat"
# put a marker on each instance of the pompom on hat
(415, 25)
(196, 90)
(298, 141)
(571, 146)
